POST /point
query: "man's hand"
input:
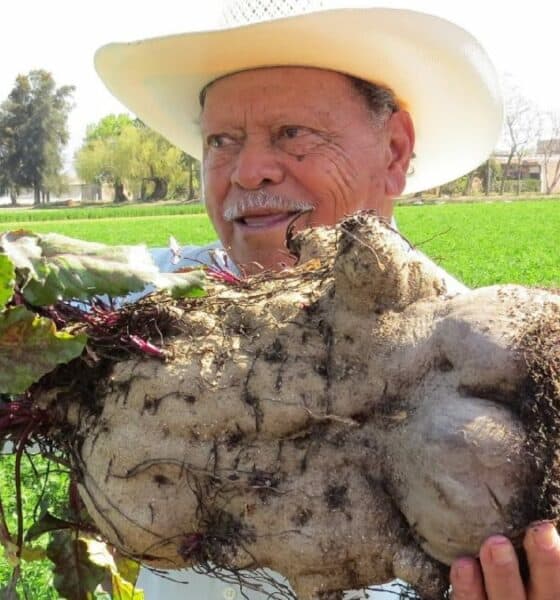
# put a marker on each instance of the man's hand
(497, 576)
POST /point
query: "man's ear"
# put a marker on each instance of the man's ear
(400, 132)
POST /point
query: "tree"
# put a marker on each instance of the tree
(155, 158)
(549, 149)
(108, 127)
(104, 156)
(33, 133)
(490, 171)
(193, 167)
(521, 126)
(8, 180)
(126, 153)
(163, 169)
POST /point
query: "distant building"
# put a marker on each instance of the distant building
(540, 164)
(75, 192)
(550, 146)
(88, 192)
(549, 150)
(530, 167)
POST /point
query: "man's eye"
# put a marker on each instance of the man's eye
(291, 131)
(218, 140)
(297, 139)
(214, 141)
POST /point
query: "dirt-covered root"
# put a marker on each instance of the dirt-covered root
(375, 269)
(463, 463)
(261, 504)
(376, 273)
(343, 423)
(539, 346)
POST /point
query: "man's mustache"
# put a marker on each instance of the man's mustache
(259, 201)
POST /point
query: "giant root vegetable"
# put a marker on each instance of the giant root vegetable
(344, 422)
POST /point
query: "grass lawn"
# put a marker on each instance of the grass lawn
(480, 243)
(102, 211)
(154, 231)
(483, 244)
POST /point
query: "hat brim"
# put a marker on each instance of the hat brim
(438, 70)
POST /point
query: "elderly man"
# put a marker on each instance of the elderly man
(310, 118)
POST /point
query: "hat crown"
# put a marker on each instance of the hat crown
(236, 13)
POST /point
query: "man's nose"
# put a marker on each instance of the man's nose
(257, 164)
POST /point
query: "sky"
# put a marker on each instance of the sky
(61, 36)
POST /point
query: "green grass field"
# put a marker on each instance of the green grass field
(150, 230)
(104, 211)
(481, 244)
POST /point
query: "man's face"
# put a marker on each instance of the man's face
(279, 141)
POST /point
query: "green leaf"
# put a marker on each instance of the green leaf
(75, 575)
(124, 590)
(128, 569)
(7, 280)
(30, 346)
(124, 572)
(22, 249)
(186, 285)
(54, 267)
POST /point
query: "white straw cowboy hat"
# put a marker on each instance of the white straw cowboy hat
(438, 71)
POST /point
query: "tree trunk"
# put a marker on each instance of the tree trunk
(120, 196)
(504, 173)
(191, 187)
(36, 195)
(160, 190)
(13, 197)
(158, 193)
(488, 179)
(468, 185)
(143, 191)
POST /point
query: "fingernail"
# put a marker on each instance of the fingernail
(501, 551)
(545, 536)
(464, 572)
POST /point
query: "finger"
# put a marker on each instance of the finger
(542, 545)
(466, 580)
(501, 570)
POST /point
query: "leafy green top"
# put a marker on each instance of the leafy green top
(40, 270)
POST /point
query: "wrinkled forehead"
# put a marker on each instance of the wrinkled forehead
(269, 97)
(266, 72)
